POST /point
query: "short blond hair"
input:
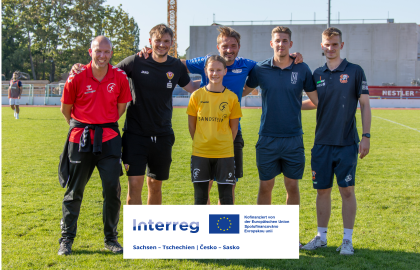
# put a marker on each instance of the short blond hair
(226, 31)
(161, 29)
(332, 31)
(282, 29)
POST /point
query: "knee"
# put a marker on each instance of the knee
(293, 187)
(324, 192)
(135, 185)
(347, 193)
(266, 186)
(155, 187)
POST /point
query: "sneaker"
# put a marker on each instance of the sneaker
(315, 243)
(114, 246)
(65, 246)
(17, 116)
(346, 248)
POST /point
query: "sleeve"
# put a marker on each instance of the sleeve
(20, 84)
(125, 93)
(69, 92)
(127, 65)
(236, 111)
(192, 105)
(196, 65)
(309, 84)
(185, 78)
(252, 80)
(361, 83)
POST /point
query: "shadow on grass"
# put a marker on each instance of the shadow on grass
(327, 258)
(81, 251)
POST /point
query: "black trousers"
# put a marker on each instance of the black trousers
(81, 168)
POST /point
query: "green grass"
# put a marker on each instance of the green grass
(386, 235)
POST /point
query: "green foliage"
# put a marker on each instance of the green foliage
(386, 234)
(46, 37)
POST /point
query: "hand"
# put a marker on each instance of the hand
(76, 69)
(298, 57)
(145, 52)
(364, 147)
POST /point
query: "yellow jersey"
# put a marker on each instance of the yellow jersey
(213, 135)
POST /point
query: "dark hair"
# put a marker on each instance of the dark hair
(161, 29)
(226, 31)
(214, 58)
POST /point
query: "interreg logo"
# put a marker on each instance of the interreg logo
(224, 224)
(194, 226)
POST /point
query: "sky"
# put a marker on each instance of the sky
(200, 12)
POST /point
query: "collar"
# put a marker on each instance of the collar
(341, 67)
(271, 62)
(239, 63)
(109, 75)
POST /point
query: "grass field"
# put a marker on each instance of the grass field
(386, 235)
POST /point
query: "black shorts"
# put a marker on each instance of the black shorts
(328, 160)
(205, 169)
(155, 153)
(238, 145)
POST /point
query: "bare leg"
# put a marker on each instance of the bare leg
(155, 191)
(135, 186)
(349, 206)
(323, 207)
(12, 106)
(17, 108)
(264, 193)
(292, 189)
(208, 198)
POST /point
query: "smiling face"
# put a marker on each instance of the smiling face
(215, 71)
(228, 48)
(281, 43)
(161, 44)
(101, 53)
(331, 46)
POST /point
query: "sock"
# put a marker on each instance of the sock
(322, 232)
(14, 112)
(17, 116)
(348, 234)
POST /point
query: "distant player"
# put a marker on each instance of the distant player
(213, 118)
(340, 85)
(280, 144)
(92, 103)
(14, 94)
(238, 68)
(148, 135)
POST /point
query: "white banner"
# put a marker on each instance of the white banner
(211, 232)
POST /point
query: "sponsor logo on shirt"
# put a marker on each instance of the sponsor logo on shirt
(110, 88)
(195, 173)
(204, 102)
(294, 77)
(145, 72)
(89, 89)
(211, 119)
(113, 67)
(223, 106)
(170, 75)
(320, 82)
(238, 70)
(344, 78)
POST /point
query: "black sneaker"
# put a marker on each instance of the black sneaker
(65, 246)
(114, 246)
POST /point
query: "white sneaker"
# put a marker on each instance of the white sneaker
(315, 243)
(346, 248)
(17, 116)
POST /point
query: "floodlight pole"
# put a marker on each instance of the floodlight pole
(329, 13)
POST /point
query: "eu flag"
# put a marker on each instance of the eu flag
(223, 223)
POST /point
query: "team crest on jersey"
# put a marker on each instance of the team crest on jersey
(344, 78)
(223, 106)
(170, 75)
(127, 167)
(110, 88)
(294, 77)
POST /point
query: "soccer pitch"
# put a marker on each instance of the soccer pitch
(386, 233)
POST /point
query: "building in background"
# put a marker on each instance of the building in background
(389, 53)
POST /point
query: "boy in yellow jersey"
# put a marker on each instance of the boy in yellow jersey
(213, 117)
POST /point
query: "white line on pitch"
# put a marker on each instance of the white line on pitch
(396, 123)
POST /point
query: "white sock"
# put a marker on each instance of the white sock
(14, 114)
(322, 232)
(348, 234)
(17, 116)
